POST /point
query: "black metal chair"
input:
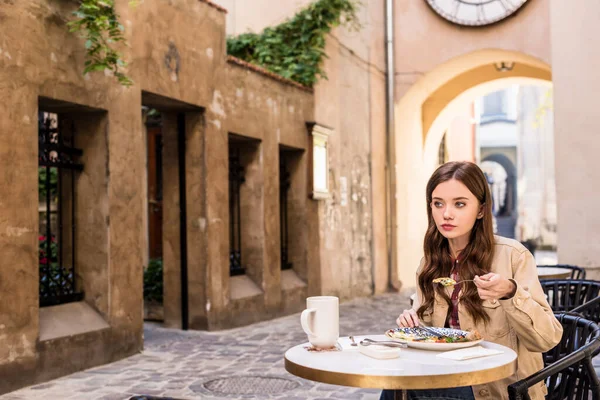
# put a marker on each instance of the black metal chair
(589, 310)
(566, 294)
(571, 375)
(576, 272)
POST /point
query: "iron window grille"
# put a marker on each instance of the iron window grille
(236, 179)
(284, 187)
(57, 161)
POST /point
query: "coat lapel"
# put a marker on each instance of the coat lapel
(438, 319)
(464, 318)
(441, 311)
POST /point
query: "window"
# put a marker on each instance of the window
(236, 179)
(284, 187)
(57, 172)
(494, 105)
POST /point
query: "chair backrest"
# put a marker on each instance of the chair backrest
(567, 294)
(576, 272)
(577, 332)
(589, 310)
(571, 375)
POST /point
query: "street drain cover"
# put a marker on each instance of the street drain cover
(250, 385)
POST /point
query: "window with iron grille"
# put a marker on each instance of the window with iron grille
(284, 187)
(57, 171)
(236, 179)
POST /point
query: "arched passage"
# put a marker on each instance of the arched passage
(439, 123)
(504, 193)
(509, 205)
(423, 114)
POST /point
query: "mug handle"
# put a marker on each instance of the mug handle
(304, 320)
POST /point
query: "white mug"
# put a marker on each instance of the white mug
(321, 321)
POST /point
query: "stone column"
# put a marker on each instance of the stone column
(126, 198)
(196, 219)
(217, 216)
(171, 223)
(18, 235)
(271, 257)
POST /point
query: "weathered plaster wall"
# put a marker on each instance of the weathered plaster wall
(187, 72)
(40, 58)
(353, 242)
(352, 101)
(576, 133)
(272, 113)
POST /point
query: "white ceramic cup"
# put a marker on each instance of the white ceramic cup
(321, 321)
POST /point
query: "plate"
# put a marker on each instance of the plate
(433, 345)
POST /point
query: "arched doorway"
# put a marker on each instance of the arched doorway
(423, 115)
(503, 183)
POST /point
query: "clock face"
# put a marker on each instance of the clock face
(475, 12)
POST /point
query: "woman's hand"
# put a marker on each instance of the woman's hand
(408, 319)
(493, 286)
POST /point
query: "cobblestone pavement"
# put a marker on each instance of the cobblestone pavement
(178, 364)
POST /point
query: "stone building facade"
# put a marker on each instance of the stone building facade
(211, 108)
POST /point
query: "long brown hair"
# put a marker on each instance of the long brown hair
(475, 259)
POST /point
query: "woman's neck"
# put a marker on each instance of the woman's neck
(457, 245)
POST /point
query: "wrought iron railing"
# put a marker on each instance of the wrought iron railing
(236, 179)
(284, 187)
(56, 159)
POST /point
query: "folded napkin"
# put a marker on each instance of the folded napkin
(468, 353)
(379, 352)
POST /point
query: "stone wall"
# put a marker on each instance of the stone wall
(263, 114)
(273, 115)
(178, 63)
(352, 224)
(352, 237)
(41, 68)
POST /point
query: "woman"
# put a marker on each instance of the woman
(505, 303)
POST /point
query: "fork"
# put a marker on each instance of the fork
(430, 330)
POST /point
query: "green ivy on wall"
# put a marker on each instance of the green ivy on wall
(98, 23)
(295, 49)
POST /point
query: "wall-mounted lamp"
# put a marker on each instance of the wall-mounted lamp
(318, 161)
(504, 66)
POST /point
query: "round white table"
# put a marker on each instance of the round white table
(554, 273)
(414, 369)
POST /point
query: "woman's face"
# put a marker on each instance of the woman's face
(455, 209)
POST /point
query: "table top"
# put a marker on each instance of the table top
(414, 369)
(554, 273)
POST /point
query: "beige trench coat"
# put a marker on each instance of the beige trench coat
(525, 323)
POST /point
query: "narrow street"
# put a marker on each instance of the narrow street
(181, 364)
